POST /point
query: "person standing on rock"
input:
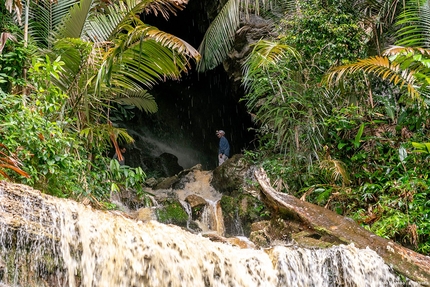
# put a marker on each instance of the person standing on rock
(224, 147)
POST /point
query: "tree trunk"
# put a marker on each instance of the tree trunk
(403, 260)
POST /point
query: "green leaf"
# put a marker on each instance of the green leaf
(357, 138)
(421, 147)
(341, 145)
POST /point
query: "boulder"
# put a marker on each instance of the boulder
(235, 174)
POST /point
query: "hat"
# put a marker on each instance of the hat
(220, 132)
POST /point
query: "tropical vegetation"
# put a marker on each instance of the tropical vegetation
(63, 79)
(348, 129)
(338, 91)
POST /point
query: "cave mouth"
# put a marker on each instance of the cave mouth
(193, 108)
(190, 111)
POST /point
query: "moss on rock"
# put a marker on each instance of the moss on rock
(172, 213)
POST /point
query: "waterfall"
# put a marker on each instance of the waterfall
(212, 219)
(47, 241)
(197, 183)
(238, 224)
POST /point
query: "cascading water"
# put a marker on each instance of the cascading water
(197, 183)
(212, 218)
(47, 241)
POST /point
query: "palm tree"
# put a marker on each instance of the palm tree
(281, 103)
(109, 54)
(414, 23)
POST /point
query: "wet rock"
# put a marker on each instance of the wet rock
(240, 242)
(179, 180)
(166, 183)
(169, 164)
(195, 200)
(187, 176)
(252, 29)
(240, 211)
(172, 212)
(151, 182)
(235, 175)
(197, 204)
(163, 195)
(143, 214)
(259, 235)
(311, 240)
(164, 165)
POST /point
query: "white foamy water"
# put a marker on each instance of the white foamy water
(96, 248)
(117, 251)
(198, 182)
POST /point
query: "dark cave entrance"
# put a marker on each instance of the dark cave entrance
(193, 108)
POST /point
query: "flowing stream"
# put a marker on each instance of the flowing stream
(47, 241)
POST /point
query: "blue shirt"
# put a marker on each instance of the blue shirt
(224, 146)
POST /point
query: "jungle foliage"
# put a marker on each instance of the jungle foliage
(79, 63)
(339, 97)
(49, 149)
(341, 125)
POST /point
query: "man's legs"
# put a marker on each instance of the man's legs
(222, 159)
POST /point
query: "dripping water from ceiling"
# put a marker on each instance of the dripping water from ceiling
(193, 108)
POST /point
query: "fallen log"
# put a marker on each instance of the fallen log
(411, 264)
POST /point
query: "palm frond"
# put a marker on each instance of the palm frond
(45, 17)
(397, 50)
(414, 24)
(14, 6)
(75, 24)
(164, 7)
(219, 37)
(155, 56)
(381, 67)
(141, 99)
(78, 57)
(148, 63)
(4, 37)
(336, 170)
(170, 41)
(102, 27)
(265, 54)
(103, 133)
